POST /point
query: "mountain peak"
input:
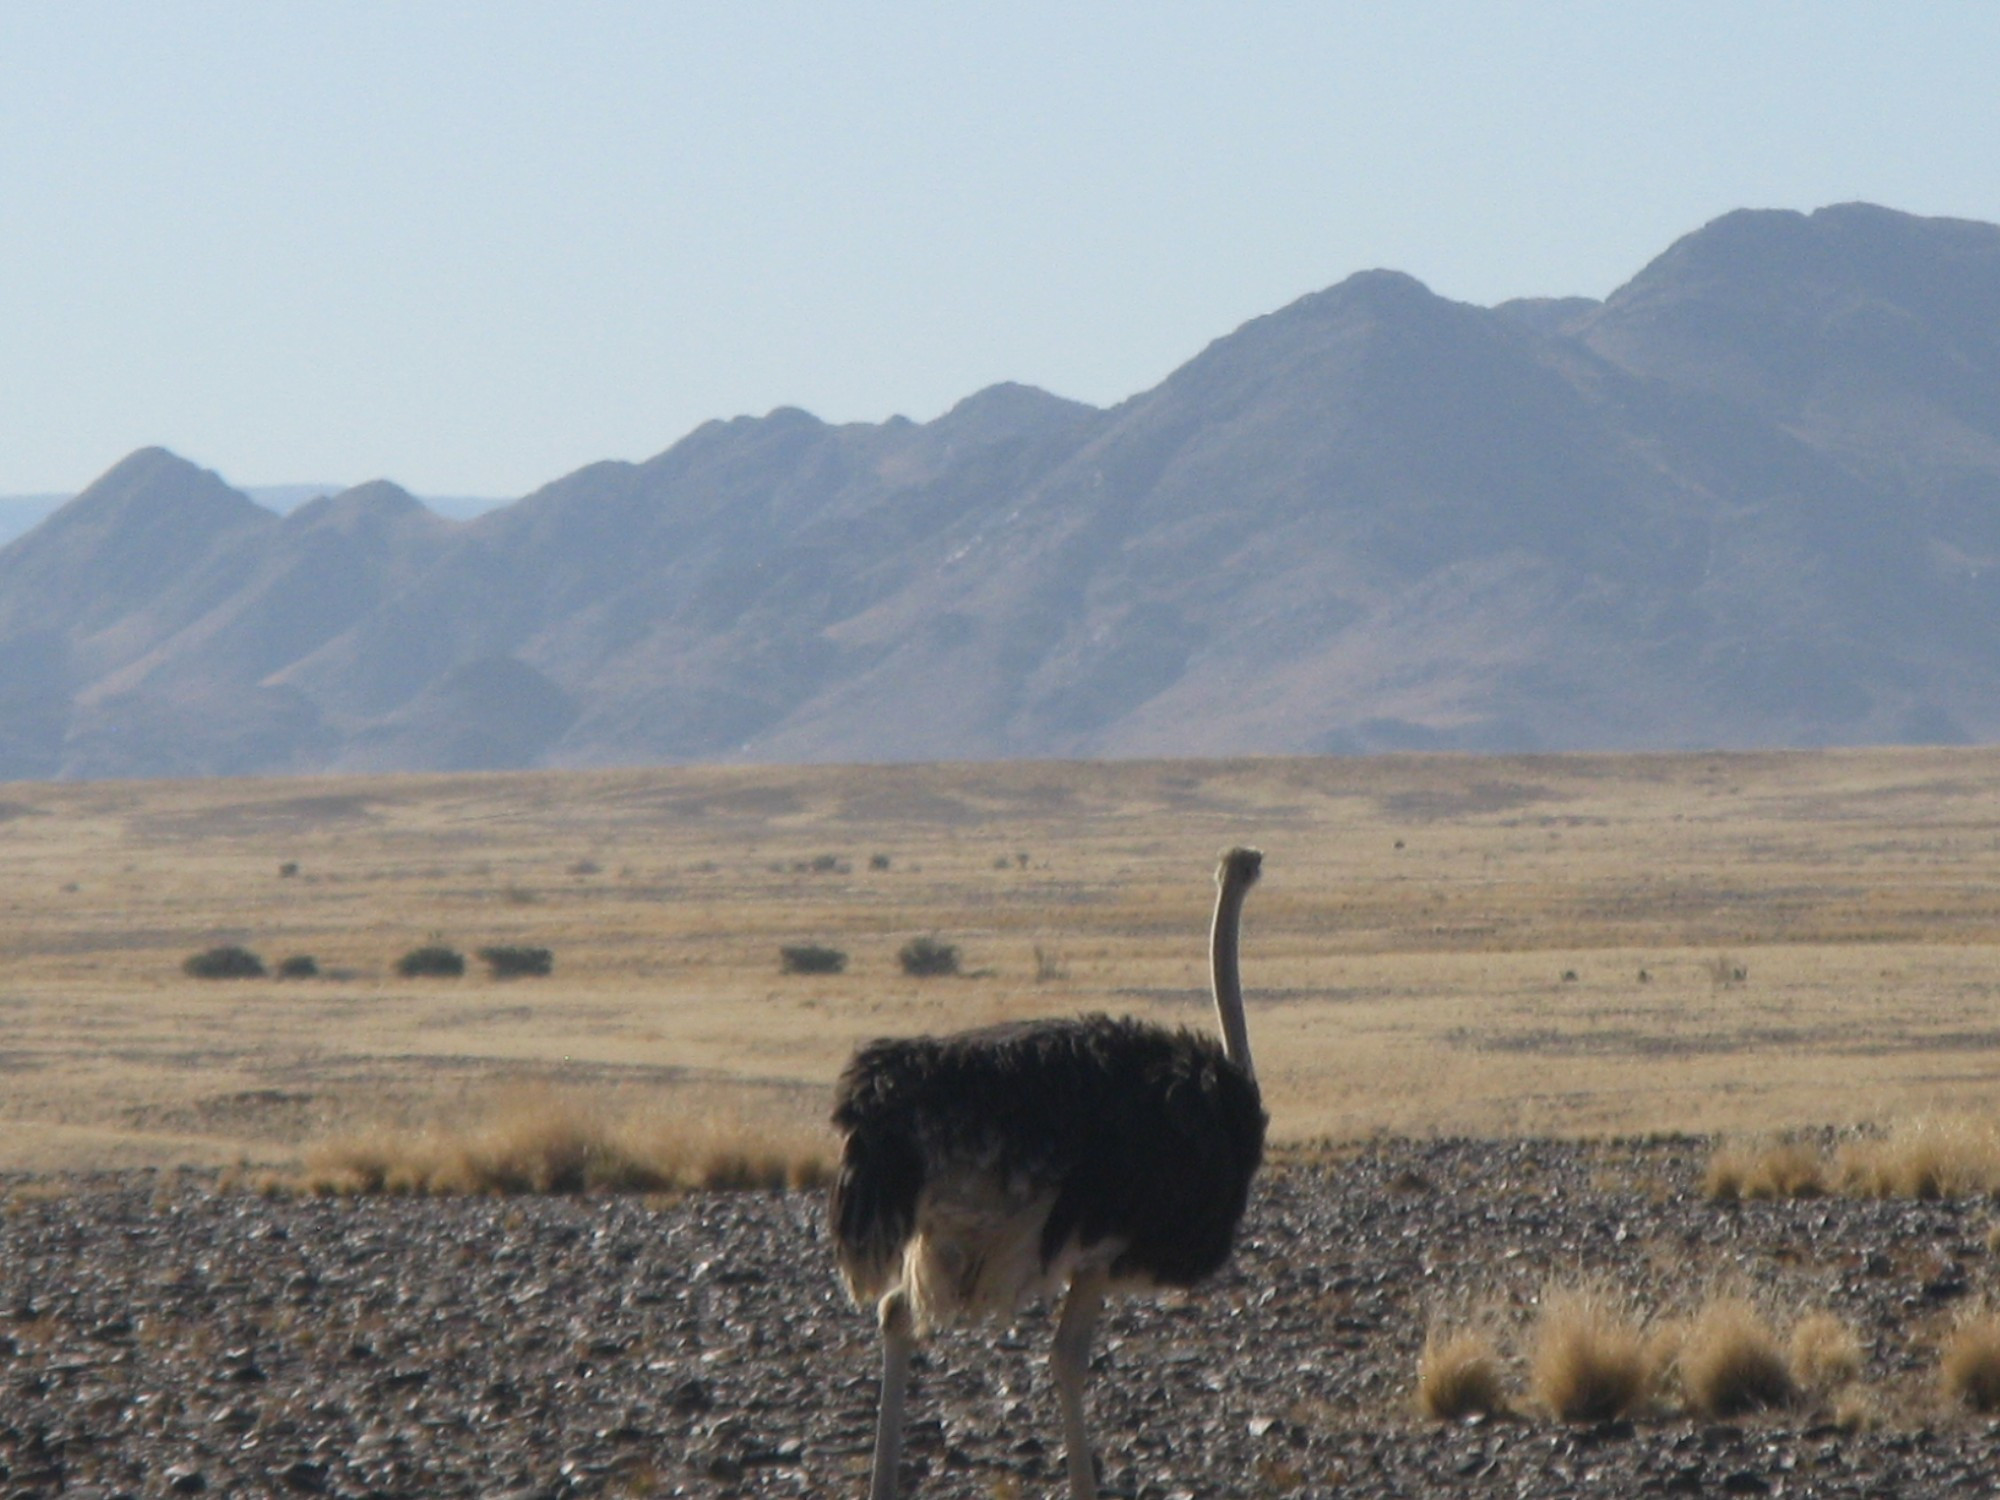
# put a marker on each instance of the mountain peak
(1768, 306)
(155, 486)
(1374, 293)
(1008, 410)
(1859, 245)
(376, 501)
(1383, 285)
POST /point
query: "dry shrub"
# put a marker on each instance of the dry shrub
(1589, 1359)
(1779, 1169)
(1969, 1364)
(1951, 1157)
(928, 957)
(229, 961)
(1459, 1375)
(811, 958)
(1825, 1353)
(542, 1143)
(431, 961)
(517, 961)
(1729, 1361)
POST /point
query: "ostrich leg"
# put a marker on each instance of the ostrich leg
(898, 1338)
(1071, 1362)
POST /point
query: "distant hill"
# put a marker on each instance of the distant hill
(1751, 498)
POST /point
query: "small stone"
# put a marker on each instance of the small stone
(305, 1476)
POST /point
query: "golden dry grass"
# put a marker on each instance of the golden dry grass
(1775, 1169)
(1824, 1354)
(1589, 1359)
(1952, 1156)
(539, 1142)
(1404, 953)
(1969, 1362)
(1729, 1361)
(1460, 1374)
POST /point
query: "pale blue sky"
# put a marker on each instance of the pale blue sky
(473, 246)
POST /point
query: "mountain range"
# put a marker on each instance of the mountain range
(1751, 498)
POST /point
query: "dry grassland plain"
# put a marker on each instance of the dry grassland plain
(1573, 945)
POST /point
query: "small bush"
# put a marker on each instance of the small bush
(811, 958)
(431, 961)
(1730, 1364)
(1589, 1361)
(926, 957)
(1459, 1376)
(878, 861)
(299, 966)
(225, 962)
(512, 961)
(288, 869)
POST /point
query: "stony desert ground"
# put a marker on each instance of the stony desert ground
(161, 1338)
(1506, 1010)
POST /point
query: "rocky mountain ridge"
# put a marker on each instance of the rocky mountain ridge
(1751, 498)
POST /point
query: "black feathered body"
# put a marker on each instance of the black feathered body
(982, 1168)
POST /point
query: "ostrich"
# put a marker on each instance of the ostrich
(982, 1169)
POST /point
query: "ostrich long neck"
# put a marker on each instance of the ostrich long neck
(1233, 882)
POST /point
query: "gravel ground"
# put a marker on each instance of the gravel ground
(158, 1338)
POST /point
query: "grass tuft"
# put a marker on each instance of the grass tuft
(1589, 1360)
(1729, 1362)
(542, 1143)
(1825, 1353)
(1969, 1363)
(1778, 1169)
(1459, 1375)
(1945, 1157)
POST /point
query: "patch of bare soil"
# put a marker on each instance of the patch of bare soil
(158, 1337)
